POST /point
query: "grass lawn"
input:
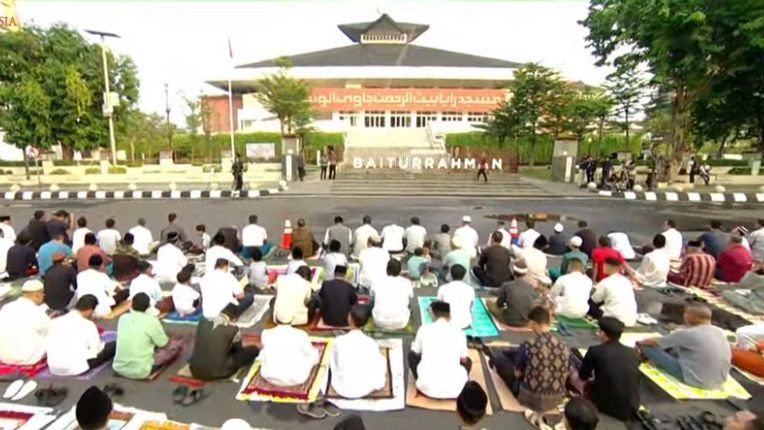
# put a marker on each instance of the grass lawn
(537, 172)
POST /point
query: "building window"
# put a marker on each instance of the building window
(451, 116)
(400, 119)
(383, 38)
(374, 119)
(423, 118)
(350, 117)
(477, 117)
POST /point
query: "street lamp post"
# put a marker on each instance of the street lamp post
(167, 116)
(108, 109)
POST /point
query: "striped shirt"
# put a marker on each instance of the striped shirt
(697, 269)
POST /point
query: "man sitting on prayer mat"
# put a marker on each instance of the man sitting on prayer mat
(492, 269)
(734, 262)
(612, 372)
(357, 365)
(575, 252)
(219, 288)
(89, 249)
(439, 359)
(258, 270)
(293, 294)
(21, 260)
(93, 409)
(698, 355)
(459, 296)
(218, 351)
(24, 327)
(471, 404)
(391, 296)
(656, 265)
(288, 356)
(697, 269)
(185, 299)
(218, 251)
(297, 261)
(336, 298)
(147, 284)
(334, 258)
(516, 298)
(170, 260)
(373, 261)
(60, 283)
(570, 292)
(614, 295)
(107, 291)
(45, 253)
(138, 335)
(125, 260)
(748, 354)
(74, 345)
(535, 372)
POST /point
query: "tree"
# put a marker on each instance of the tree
(534, 92)
(503, 125)
(583, 112)
(626, 88)
(285, 96)
(559, 114)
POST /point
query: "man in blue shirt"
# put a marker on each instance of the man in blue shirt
(45, 254)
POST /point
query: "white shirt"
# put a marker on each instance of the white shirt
(97, 283)
(23, 329)
(292, 293)
(391, 302)
(756, 240)
(213, 254)
(146, 284)
(620, 242)
(469, 239)
(78, 238)
(258, 274)
(570, 294)
(253, 235)
(73, 340)
(392, 238)
(373, 264)
(415, 237)
(528, 238)
(358, 367)
(287, 356)
(361, 238)
(655, 268)
(205, 241)
(8, 231)
(293, 265)
(460, 296)
(142, 239)
(617, 297)
(534, 259)
(219, 288)
(673, 243)
(5, 245)
(331, 261)
(170, 261)
(183, 298)
(107, 240)
(442, 345)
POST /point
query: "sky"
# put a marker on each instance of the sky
(184, 43)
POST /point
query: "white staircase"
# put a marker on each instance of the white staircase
(383, 143)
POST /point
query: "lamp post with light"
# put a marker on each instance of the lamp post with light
(108, 108)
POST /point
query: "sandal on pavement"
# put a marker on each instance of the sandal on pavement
(331, 409)
(13, 389)
(179, 393)
(51, 396)
(311, 410)
(195, 397)
(113, 390)
(25, 390)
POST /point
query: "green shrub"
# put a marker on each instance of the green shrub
(4, 163)
(117, 170)
(209, 168)
(93, 171)
(59, 172)
(75, 163)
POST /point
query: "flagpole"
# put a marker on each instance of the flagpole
(230, 101)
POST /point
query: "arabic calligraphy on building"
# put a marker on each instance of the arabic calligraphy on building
(406, 99)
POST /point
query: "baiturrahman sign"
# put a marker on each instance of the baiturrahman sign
(424, 163)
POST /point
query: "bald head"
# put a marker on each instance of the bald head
(697, 313)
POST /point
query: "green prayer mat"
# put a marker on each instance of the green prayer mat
(574, 323)
(482, 323)
(372, 329)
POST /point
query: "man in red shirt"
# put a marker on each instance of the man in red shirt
(734, 262)
(602, 253)
(697, 269)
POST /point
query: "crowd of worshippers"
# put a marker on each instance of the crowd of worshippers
(87, 275)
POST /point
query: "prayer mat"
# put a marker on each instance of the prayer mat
(117, 311)
(256, 388)
(185, 377)
(575, 323)
(29, 371)
(18, 417)
(507, 399)
(396, 396)
(254, 313)
(490, 305)
(316, 274)
(106, 336)
(164, 425)
(120, 418)
(167, 355)
(175, 318)
(416, 399)
(318, 325)
(482, 323)
(682, 391)
(371, 329)
(385, 392)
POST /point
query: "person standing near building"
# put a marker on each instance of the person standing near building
(331, 154)
(301, 165)
(323, 164)
(482, 167)
(237, 169)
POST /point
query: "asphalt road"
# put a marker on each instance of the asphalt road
(640, 219)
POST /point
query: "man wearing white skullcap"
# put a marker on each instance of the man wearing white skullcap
(468, 236)
(558, 243)
(24, 326)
